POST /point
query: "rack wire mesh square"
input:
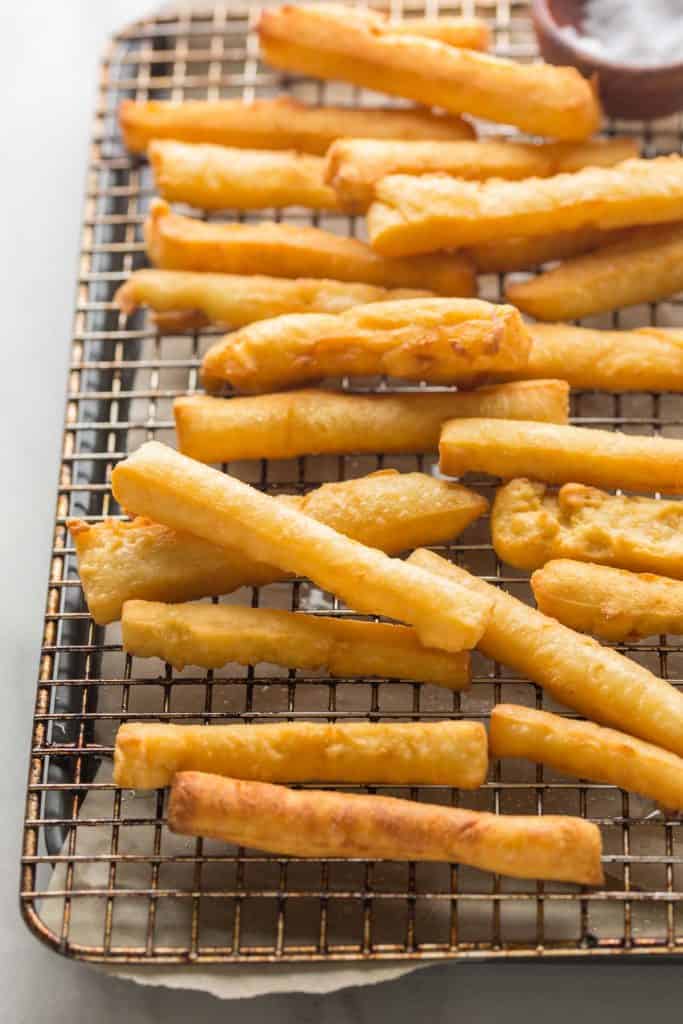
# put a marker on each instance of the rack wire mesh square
(102, 879)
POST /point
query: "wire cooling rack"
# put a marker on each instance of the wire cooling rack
(102, 878)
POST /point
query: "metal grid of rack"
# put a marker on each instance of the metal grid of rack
(101, 878)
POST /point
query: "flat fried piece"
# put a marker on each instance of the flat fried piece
(119, 561)
(560, 454)
(175, 242)
(575, 669)
(149, 754)
(530, 524)
(508, 254)
(159, 482)
(443, 341)
(293, 423)
(643, 266)
(413, 214)
(279, 123)
(613, 604)
(319, 823)
(588, 751)
(185, 298)
(325, 41)
(354, 166)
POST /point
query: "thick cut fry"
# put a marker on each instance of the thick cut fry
(575, 669)
(175, 242)
(508, 254)
(194, 299)
(354, 166)
(217, 177)
(444, 341)
(319, 823)
(185, 495)
(613, 604)
(148, 755)
(560, 454)
(213, 635)
(279, 123)
(531, 524)
(326, 42)
(283, 426)
(119, 561)
(423, 214)
(588, 751)
(644, 266)
(467, 33)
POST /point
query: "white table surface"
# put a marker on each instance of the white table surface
(48, 60)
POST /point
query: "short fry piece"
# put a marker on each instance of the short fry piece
(193, 298)
(439, 340)
(319, 823)
(643, 266)
(293, 423)
(559, 454)
(588, 751)
(326, 41)
(467, 33)
(613, 604)
(508, 254)
(354, 166)
(422, 214)
(597, 681)
(119, 561)
(185, 495)
(148, 755)
(175, 242)
(530, 524)
(279, 123)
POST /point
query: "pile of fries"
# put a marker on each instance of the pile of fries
(304, 304)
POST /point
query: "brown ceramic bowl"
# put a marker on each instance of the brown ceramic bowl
(629, 91)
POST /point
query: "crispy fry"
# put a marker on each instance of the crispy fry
(610, 603)
(319, 823)
(588, 751)
(279, 123)
(423, 214)
(175, 242)
(559, 454)
(282, 426)
(149, 754)
(643, 266)
(185, 495)
(119, 561)
(531, 524)
(217, 177)
(354, 166)
(467, 33)
(575, 669)
(439, 340)
(193, 298)
(326, 42)
(508, 254)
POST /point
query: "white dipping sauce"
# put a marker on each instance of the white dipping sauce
(646, 32)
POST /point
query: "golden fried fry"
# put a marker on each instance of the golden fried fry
(279, 123)
(319, 823)
(423, 214)
(444, 341)
(324, 41)
(467, 33)
(610, 603)
(119, 561)
(212, 635)
(644, 266)
(175, 242)
(559, 454)
(508, 254)
(588, 751)
(354, 166)
(575, 669)
(282, 426)
(185, 495)
(149, 754)
(531, 524)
